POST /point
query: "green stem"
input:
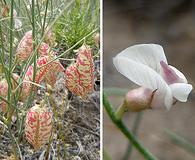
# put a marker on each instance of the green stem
(2, 58)
(9, 95)
(132, 139)
(68, 50)
(39, 13)
(13, 139)
(35, 55)
(58, 118)
(181, 141)
(28, 62)
(120, 111)
(45, 15)
(134, 131)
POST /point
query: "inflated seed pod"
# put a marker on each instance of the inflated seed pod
(26, 87)
(45, 72)
(4, 90)
(50, 37)
(25, 47)
(80, 75)
(96, 38)
(54, 68)
(3, 93)
(38, 126)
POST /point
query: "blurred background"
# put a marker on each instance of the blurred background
(172, 25)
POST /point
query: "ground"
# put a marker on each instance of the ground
(81, 128)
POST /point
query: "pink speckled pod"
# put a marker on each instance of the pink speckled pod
(25, 47)
(4, 90)
(48, 73)
(38, 126)
(50, 38)
(79, 76)
(3, 93)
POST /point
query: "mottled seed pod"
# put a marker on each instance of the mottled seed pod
(50, 37)
(54, 68)
(5, 11)
(4, 90)
(25, 47)
(49, 71)
(3, 93)
(96, 38)
(26, 87)
(72, 81)
(45, 72)
(80, 75)
(38, 126)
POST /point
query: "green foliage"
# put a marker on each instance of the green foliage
(76, 23)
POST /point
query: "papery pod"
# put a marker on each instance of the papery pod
(50, 37)
(55, 68)
(80, 75)
(38, 126)
(3, 87)
(25, 47)
(4, 90)
(96, 38)
(26, 87)
(5, 11)
(4, 84)
(49, 71)
(3, 93)
(44, 72)
(72, 81)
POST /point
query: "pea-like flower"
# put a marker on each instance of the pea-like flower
(147, 66)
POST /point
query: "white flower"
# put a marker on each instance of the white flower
(146, 65)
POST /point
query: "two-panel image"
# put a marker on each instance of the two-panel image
(97, 80)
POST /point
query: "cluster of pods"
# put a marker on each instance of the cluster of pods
(79, 79)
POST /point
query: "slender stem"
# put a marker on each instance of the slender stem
(39, 13)
(13, 139)
(36, 54)
(58, 118)
(132, 139)
(44, 21)
(121, 110)
(27, 11)
(81, 40)
(181, 141)
(2, 58)
(134, 131)
(49, 27)
(9, 95)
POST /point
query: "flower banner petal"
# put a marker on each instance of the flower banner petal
(147, 54)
